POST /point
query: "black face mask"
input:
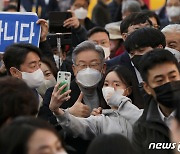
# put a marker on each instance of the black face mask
(136, 59)
(168, 94)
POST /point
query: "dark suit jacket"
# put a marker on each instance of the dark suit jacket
(101, 15)
(150, 129)
(123, 60)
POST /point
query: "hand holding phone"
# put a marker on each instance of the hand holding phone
(72, 22)
(64, 78)
(56, 22)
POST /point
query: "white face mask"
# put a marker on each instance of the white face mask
(81, 13)
(46, 84)
(88, 77)
(58, 61)
(175, 52)
(173, 11)
(111, 96)
(33, 80)
(107, 93)
(106, 51)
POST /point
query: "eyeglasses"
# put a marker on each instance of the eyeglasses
(92, 65)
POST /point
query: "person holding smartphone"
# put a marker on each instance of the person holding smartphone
(80, 8)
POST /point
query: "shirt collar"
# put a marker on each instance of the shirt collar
(162, 115)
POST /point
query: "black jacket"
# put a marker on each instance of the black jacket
(88, 24)
(101, 15)
(150, 129)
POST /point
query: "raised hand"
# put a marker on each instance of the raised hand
(96, 111)
(57, 99)
(79, 109)
(72, 22)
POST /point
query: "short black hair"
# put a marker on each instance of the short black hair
(14, 137)
(10, 7)
(16, 99)
(151, 14)
(133, 19)
(154, 58)
(88, 45)
(96, 30)
(15, 54)
(144, 37)
(110, 143)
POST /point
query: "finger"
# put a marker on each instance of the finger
(99, 108)
(66, 98)
(68, 20)
(64, 95)
(72, 12)
(86, 108)
(85, 113)
(69, 24)
(56, 88)
(61, 88)
(80, 97)
(95, 111)
(41, 21)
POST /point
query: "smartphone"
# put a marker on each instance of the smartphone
(64, 78)
(56, 22)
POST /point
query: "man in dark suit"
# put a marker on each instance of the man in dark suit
(128, 25)
(161, 76)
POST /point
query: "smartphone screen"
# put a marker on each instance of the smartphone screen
(64, 78)
(56, 21)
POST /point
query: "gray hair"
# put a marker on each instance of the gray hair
(173, 28)
(131, 6)
(88, 45)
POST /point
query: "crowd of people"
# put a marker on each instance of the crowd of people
(124, 94)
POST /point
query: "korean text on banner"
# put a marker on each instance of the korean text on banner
(18, 27)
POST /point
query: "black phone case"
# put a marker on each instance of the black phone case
(56, 21)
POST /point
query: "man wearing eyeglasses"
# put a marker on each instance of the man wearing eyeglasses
(88, 67)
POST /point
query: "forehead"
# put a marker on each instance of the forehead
(44, 66)
(112, 76)
(153, 20)
(173, 36)
(161, 70)
(99, 36)
(80, 2)
(132, 28)
(38, 139)
(31, 56)
(170, 2)
(87, 56)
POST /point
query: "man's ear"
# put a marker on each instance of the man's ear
(74, 69)
(15, 72)
(147, 88)
(124, 36)
(104, 68)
